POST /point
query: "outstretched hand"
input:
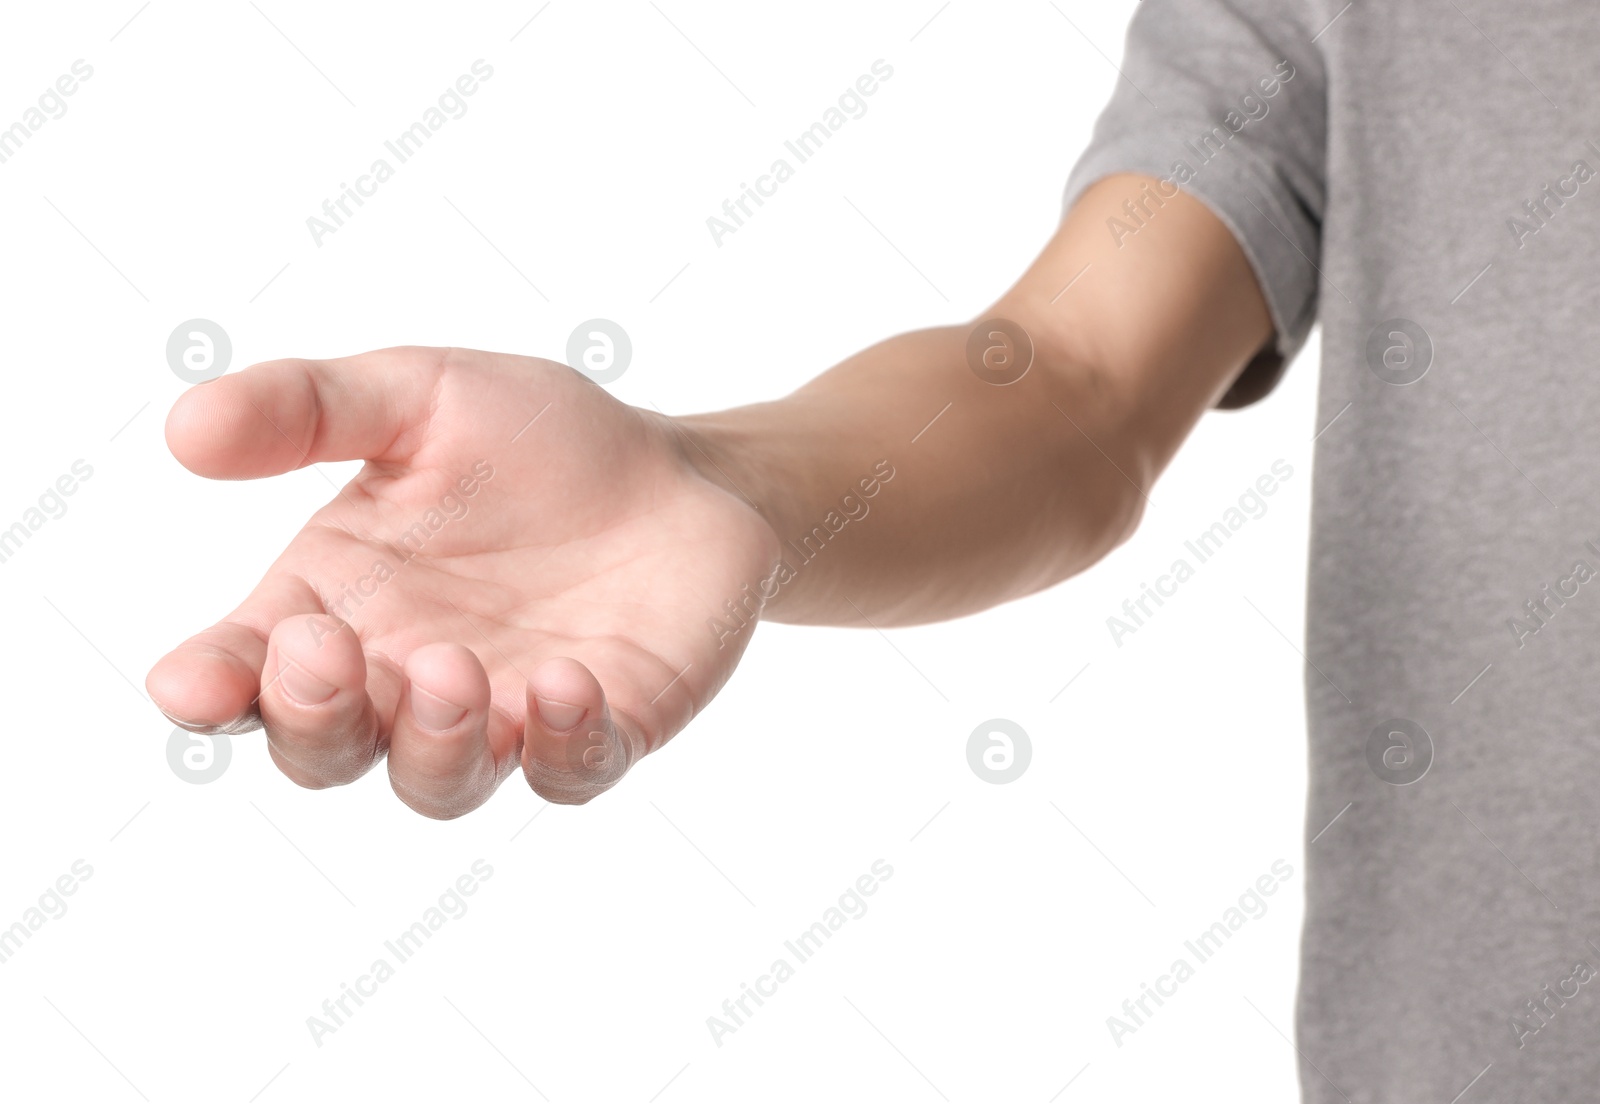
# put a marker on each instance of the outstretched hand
(522, 574)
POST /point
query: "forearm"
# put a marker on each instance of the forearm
(911, 484)
(904, 488)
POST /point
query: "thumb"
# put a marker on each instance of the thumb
(285, 414)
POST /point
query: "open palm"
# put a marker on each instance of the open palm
(524, 573)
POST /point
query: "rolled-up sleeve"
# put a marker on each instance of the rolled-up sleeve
(1225, 100)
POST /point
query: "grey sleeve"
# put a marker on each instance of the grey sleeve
(1225, 100)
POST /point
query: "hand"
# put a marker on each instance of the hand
(522, 573)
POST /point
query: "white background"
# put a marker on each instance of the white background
(220, 917)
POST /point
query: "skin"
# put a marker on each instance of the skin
(556, 619)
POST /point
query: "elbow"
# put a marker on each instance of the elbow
(1108, 462)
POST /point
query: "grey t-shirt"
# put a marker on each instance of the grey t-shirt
(1419, 176)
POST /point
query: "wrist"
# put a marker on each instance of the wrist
(739, 452)
(730, 450)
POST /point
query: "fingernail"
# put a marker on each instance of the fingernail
(303, 687)
(559, 716)
(432, 711)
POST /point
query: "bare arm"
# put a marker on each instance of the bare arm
(1014, 486)
(492, 595)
